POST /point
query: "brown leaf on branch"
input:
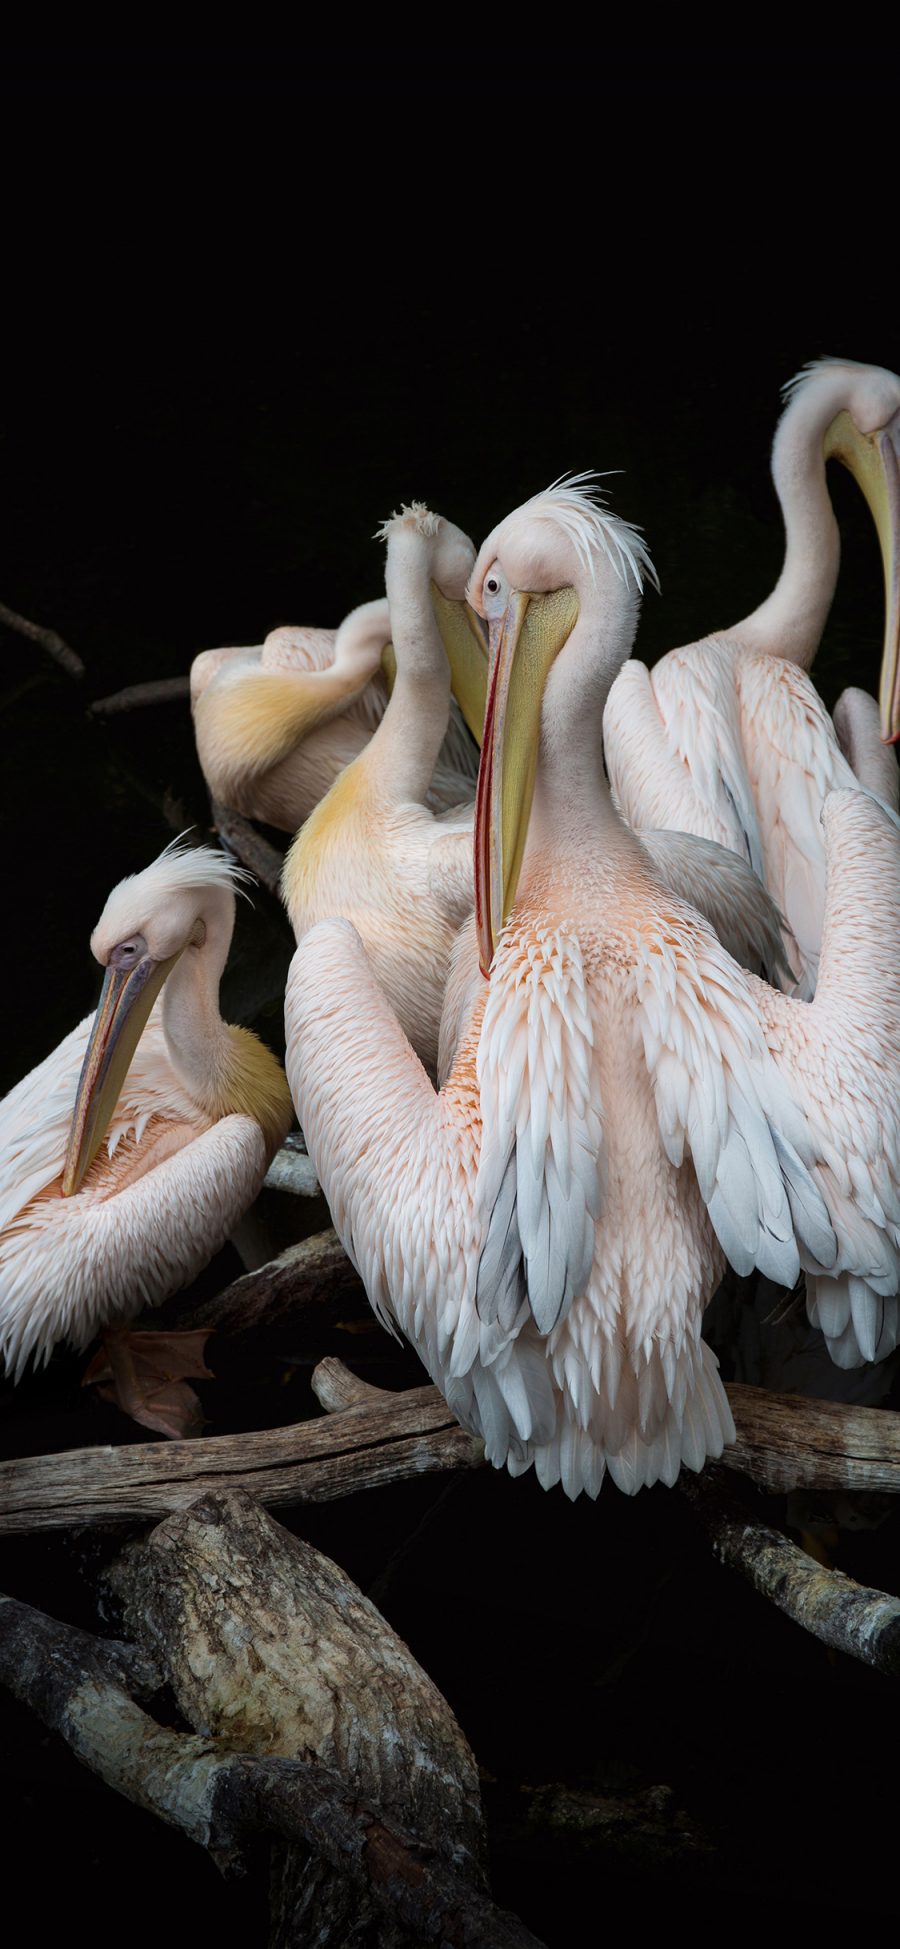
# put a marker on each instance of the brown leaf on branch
(146, 1375)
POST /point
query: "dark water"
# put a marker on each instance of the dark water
(222, 372)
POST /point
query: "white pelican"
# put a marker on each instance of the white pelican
(191, 1109)
(276, 725)
(372, 851)
(729, 737)
(626, 1106)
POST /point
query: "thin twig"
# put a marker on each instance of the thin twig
(48, 639)
(167, 690)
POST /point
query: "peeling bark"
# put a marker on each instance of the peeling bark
(313, 1725)
(843, 1614)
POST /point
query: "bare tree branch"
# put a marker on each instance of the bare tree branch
(411, 1434)
(843, 1614)
(135, 697)
(789, 1441)
(47, 638)
(249, 846)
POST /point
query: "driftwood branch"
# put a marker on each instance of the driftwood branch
(48, 639)
(385, 1437)
(135, 697)
(314, 1277)
(316, 1724)
(404, 1435)
(249, 846)
(787, 1441)
(843, 1614)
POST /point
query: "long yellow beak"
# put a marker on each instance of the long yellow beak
(874, 462)
(524, 645)
(126, 998)
(463, 637)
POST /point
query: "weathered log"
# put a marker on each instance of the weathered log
(789, 1441)
(783, 1440)
(844, 1615)
(410, 1434)
(249, 846)
(48, 639)
(314, 1276)
(135, 697)
(335, 1388)
(276, 1657)
(270, 1647)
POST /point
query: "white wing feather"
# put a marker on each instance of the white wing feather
(539, 1174)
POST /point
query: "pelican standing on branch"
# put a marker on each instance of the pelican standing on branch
(729, 737)
(372, 851)
(130, 1152)
(276, 726)
(626, 1106)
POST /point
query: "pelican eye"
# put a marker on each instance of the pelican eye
(494, 594)
(128, 953)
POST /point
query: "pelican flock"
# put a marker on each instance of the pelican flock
(626, 1107)
(562, 1046)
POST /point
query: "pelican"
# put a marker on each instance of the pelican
(626, 1106)
(276, 725)
(372, 851)
(129, 1153)
(728, 737)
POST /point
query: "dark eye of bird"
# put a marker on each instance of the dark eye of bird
(128, 952)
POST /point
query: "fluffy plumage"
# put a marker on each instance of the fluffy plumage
(372, 850)
(625, 1105)
(728, 737)
(276, 726)
(201, 1111)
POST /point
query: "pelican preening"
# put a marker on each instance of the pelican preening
(626, 1106)
(276, 726)
(728, 737)
(372, 851)
(131, 1151)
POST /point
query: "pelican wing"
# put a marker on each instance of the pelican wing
(839, 1055)
(36, 1115)
(451, 876)
(794, 760)
(72, 1262)
(720, 1097)
(726, 891)
(397, 1163)
(374, 1138)
(539, 1176)
(673, 750)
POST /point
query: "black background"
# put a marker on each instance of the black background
(254, 298)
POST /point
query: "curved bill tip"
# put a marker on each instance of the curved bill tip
(126, 999)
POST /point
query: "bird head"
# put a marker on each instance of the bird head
(183, 903)
(559, 555)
